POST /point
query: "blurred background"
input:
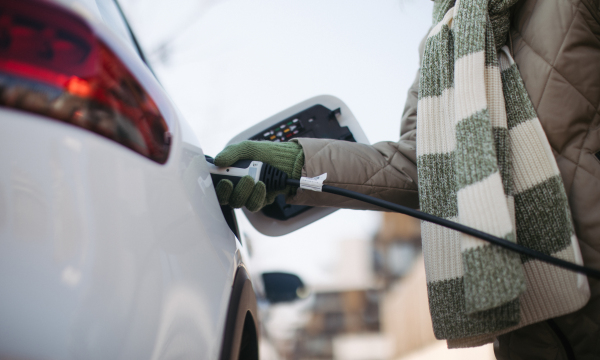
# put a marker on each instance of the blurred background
(230, 64)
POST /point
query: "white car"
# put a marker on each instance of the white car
(112, 241)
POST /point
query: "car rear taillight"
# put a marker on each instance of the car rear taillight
(53, 64)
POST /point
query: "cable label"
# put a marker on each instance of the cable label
(313, 184)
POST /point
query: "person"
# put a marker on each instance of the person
(556, 47)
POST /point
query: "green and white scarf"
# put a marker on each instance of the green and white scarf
(484, 161)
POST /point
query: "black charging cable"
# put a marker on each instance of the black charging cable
(458, 227)
(275, 179)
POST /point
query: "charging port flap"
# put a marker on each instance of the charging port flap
(322, 116)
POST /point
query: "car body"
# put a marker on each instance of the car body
(107, 252)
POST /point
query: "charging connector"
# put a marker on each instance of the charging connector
(273, 178)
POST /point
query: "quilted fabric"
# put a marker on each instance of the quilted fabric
(561, 71)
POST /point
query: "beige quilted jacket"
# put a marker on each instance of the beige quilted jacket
(556, 44)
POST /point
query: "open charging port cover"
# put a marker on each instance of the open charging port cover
(322, 116)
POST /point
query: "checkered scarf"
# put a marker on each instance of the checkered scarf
(484, 161)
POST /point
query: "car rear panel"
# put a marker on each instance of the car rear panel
(104, 253)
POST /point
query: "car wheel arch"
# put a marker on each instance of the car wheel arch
(241, 335)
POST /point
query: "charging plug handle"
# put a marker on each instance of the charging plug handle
(273, 178)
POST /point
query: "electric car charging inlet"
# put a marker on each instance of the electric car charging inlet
(275, 179)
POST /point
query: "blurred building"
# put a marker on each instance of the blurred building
(405, 314)
(347, 320)
(405, 317)
(347, 307)
(336, 314)
(395, 247)
(379, 309)
(404, 307)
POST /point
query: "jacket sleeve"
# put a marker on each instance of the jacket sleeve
(385, 170)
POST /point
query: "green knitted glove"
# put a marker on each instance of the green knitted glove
(287, 157)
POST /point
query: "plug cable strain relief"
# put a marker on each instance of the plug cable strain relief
(273, 178)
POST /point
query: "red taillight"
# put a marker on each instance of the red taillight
(51, 63)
